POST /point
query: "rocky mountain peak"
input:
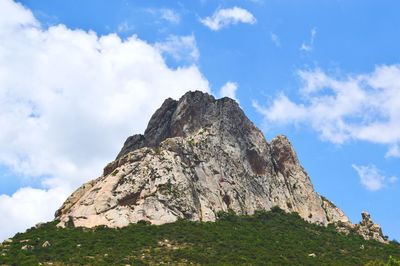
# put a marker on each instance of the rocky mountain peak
(198, 156)
(193, 111)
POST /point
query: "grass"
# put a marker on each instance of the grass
(266, 238)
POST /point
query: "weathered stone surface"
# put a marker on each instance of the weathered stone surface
(76, 196)
(27, 247)
(368, 229)
(7, 241)
(46, 244)
(198, 156)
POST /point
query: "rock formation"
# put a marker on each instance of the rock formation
(199, 156)
(368, 229)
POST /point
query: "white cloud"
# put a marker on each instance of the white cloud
(275, 39)
(225, 17)
(371, 177)
(357, 107)
(282, 111)
(308, 47)
(170, 15)
(229, 90)
(125, 27)
(26, 207)
(394, 151)
(68, 100)
(165, 14)
(8, 22)
(181, 48)
(305, 47)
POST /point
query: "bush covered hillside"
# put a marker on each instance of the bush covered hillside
(266, 238)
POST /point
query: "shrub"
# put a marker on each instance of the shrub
(273, 237)
(157, 150)
(230, 215)
(276, 209)
(393, 262)
(143, 222)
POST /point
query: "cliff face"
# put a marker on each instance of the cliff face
(198, 156)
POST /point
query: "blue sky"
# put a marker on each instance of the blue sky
(324, 73)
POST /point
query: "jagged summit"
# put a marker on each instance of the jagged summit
(193, 111)
(198, 156)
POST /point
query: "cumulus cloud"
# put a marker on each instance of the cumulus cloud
(355, 107)
(28, 206)
(229, 90)
(181, 48)
(307, 47)
(68, 100)
(372, 178)
(225, 17)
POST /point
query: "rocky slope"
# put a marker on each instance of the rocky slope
(199, 156)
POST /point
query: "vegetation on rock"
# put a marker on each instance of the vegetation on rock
(266, 238)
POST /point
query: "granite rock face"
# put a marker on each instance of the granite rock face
(199, 156)
(369, 230)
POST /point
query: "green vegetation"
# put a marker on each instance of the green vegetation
(157, 150)
(266, 238)
(191, 142)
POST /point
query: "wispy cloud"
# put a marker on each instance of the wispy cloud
(181, 48)
(275, 39)
(394, 151)
(225, 17)
(125, 27)
(166, 14)
(309, 46)
(372, 178)
(354, 107)
(170, 15)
